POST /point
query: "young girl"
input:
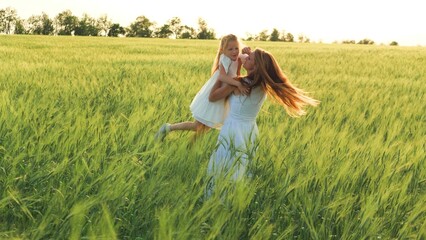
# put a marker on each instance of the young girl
(211, 114)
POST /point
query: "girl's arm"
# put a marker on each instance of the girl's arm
(240, 63)
(231, 81)
(227, 79)
(241, 60)
(220, 90)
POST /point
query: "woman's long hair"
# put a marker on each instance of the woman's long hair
(274, 82)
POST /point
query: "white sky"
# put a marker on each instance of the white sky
(382, 21)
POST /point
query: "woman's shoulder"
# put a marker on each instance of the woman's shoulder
(249, 82)
(246, 81)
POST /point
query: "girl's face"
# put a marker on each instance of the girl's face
(232, 50)
(249, 63)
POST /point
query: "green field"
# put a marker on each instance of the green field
(78, 159)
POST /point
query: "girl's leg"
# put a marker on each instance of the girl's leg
(199, 130)
(184, 126)
(195, 126)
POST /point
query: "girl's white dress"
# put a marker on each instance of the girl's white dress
(237, 137)
(212, 114)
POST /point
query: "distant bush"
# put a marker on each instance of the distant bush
(348, 42)
(366, 41)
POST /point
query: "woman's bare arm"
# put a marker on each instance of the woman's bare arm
(220, 90)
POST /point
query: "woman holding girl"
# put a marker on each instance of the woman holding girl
(237, 137)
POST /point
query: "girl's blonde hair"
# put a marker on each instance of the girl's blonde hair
(223, 44)
(269, 75)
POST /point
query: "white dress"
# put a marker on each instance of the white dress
(237, 138)
(212, 114)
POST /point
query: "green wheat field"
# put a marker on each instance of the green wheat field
(78, 158)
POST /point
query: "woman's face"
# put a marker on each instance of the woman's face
(249, 63)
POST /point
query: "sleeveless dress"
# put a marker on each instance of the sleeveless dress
(212, 114)
(237, 138)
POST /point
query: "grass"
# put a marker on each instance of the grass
(78, 159)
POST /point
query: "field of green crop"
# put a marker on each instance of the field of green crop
(78, 159)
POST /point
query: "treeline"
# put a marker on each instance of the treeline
(65, 23)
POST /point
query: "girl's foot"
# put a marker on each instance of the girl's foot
(162, 132)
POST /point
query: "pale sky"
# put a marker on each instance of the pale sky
(382, 21)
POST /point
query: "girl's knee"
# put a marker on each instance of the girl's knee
(201, 127)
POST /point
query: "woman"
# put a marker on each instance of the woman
(238, 134)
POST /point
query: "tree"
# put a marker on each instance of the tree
(140, 28)
(366, 41)
(86, 26)
(2, 20)
(116, 30)
(34, 25)
(275, 35)
(393, 43)
(203, 31)
(103, 24)
(263, 36)
(8, 19)
(348, 41)
(40, 24)
(282, 36)
(307, 40)
(303, 39)
(47, 24)
(65, 23)
(175, 26)
(164, 31)
(20, 27)
(289, 37)
(249, 37)
(188, 32)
